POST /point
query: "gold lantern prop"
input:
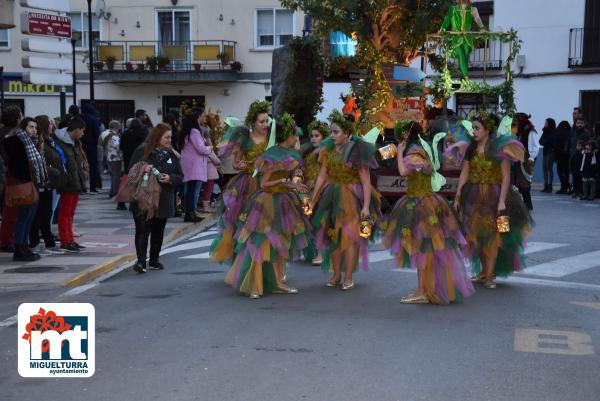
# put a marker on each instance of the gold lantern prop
(503, 224)
(388, 151)
(306, 206)
(366, 228)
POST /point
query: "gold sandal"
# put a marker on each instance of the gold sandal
(285, 289)
(415, 299)
(478, 279)
(489, 284)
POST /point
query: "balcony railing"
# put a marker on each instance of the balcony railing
(584, 48)
(485, 56)
(156, 56)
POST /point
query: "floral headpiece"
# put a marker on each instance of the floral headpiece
(488, 121)
(257, 107)
(338, 118)
(288, 125)
(317, 125)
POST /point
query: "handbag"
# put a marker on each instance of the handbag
(17, 195)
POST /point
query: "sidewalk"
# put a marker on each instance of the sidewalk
(107, 234)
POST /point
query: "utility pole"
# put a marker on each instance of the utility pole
(73, 41)
(90, 50)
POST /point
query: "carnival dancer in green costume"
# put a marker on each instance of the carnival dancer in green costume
(461, 17)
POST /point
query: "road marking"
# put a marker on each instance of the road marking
(530, 281)
(205, 234)
(204, 255)
(533, 247)
(553, 342)
(593, 305)
(565, 266)
(187, 246)
(10, 321)
(103, 245)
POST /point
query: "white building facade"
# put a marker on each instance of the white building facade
(198, 42)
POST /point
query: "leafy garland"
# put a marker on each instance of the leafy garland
(304, 100)
(442, 87)
(257, 107)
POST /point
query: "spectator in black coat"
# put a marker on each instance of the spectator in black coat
(132, 138)
(547, 141)
(589, 170)
(561, 155)
(90, 142)
(575, 165)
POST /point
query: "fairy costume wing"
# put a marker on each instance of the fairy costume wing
(277, 158)
(235, 139)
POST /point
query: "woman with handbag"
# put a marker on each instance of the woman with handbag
(484, 197)
(55, 165)
(161, 160)
(26, 173)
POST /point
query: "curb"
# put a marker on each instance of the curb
(93, 272)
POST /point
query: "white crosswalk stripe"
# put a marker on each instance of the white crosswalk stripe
(550, 269)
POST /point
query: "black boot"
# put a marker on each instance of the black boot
(586, 191)
(141, 249)
(23, 254)
(592, 194)
(192, 218)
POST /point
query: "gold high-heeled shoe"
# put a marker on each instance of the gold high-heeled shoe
(478, 279)
(415, 299)
(348, 286)
(285, 289)
(333, 283)
(489, 284)
(254, 295)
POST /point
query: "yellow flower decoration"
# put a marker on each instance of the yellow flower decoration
(410, 205)
(332, 233)
(243, 217)
(432, 220)
(234, 192)
(488, 221)
(406, 232)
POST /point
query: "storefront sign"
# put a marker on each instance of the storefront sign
(14, 85)
(54, 26)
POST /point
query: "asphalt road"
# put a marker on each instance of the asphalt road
(182, 334)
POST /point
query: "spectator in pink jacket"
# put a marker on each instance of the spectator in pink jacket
(212, 170)
(195, 152)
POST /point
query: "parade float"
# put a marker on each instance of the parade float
(410, 59)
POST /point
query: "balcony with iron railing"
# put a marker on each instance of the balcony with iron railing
(584, 48)
(151, 60)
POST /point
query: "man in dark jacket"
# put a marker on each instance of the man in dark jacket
(90, 142)
(67, 139)
(11, 117)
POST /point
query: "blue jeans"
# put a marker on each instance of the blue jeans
(192, 194)
(25, 217)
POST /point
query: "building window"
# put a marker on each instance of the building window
(173, 26)
(79, 27)
(468, 102)
(4, 39)
(273, 27)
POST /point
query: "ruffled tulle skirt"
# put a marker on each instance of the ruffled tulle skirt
(479, 206)
(336, 222)
(235, 196)
(273, 229)
(425, 233)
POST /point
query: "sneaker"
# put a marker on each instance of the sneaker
(121, 207)
(69, 248)
(155, 266)
(54, 250)
(138, 267)
(79, 246)
(40, 249)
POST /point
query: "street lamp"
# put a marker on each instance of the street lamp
(90, 50)
(73, 42)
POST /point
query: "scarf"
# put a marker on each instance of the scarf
(37, 163)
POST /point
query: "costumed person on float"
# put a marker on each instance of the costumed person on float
(247, 145)
(273, 228)
(461, 17)
(494, 217)
(346, 205)
(318, 131)
(423, 230)
(523, 128)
